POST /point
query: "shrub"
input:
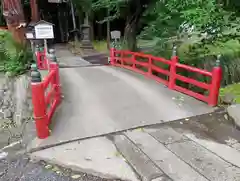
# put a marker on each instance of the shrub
(14, 57)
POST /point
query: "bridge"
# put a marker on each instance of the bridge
(122, 120)
(103, 99)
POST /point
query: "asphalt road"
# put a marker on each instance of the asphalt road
(22, 169)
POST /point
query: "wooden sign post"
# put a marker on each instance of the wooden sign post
(43, 31)
(30, 35)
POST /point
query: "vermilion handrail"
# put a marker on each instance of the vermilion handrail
(193, 69)
(41, 59)
(46, 96)
(212, 87)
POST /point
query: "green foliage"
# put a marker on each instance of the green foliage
(83, 5)
(13, 57)
(233, 89)
(202, 29)
(100, 46)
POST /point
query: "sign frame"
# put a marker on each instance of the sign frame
(44, 30)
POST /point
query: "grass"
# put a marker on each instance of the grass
(233, 89)
(100, 46)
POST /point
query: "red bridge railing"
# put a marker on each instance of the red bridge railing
(46, 95)
(41, 58)
(148, 64)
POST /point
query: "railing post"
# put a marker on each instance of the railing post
(112, 56)
(54, 66)
(149, 66)
(133, 61)
(37, 54)
(121, 57)
(38, 101)
(172, 76)
(215, 83)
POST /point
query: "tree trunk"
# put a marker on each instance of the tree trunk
(130, 33)
(108, 31)
(34, 11)
(18, 34)
(14, 16)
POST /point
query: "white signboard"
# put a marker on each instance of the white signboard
(29, 35)
(44, 31)
(115, 34)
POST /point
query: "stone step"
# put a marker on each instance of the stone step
(208, 143)
(170, 164)
(142, 165)
(98, 58)
(214, 132)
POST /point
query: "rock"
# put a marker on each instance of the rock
(228, 98)
(7, 113)
(234, 112)
(3, 155)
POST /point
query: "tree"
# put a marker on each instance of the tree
(131, 10)
(14, 16)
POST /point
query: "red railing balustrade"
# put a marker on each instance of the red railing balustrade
(46, 96)
(146, 66)
(41, 58)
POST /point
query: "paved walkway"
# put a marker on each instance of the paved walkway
(99, 100)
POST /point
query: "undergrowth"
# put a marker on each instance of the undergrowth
(14, 58)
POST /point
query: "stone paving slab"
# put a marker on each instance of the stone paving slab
(166, 135)
(205, 162)
(173, 166)
(96, 156)
(137, 159)
(216, 135)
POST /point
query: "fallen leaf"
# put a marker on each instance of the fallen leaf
(48, 166)
(58, 172)
(117, 154)
(55, 168)
(75, 176)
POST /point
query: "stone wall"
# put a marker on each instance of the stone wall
(15, 99)
(15, 109)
